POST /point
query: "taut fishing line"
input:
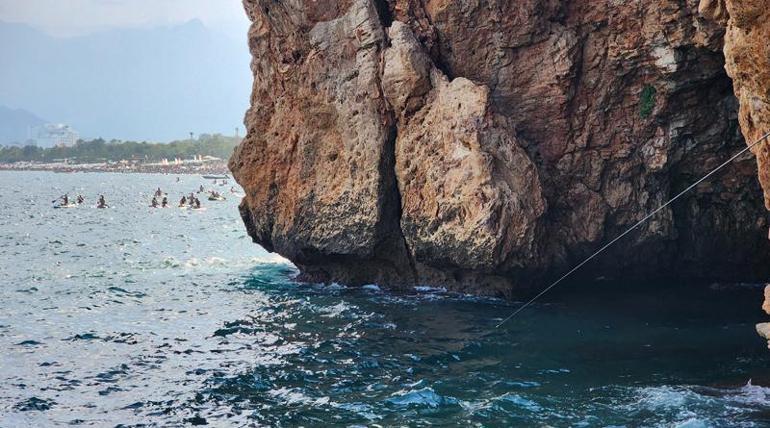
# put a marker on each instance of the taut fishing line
(637, 224)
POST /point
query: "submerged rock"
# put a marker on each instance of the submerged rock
(764, 330)
(489, 146)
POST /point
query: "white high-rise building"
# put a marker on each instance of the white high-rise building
(56, 134)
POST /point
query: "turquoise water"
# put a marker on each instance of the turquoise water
(171, 318)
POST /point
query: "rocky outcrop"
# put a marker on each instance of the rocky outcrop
(317, 163)
(487, 146)
(747, 58)
(747, 55)
(470, 196)
(764, 328)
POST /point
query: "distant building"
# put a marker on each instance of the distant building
(56, 134)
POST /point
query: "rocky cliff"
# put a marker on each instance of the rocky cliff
(764, 328)
(488, 145)
(747, 57)
(747, 54)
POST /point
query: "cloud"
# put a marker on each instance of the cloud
(77, 17)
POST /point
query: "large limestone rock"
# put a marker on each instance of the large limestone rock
(764, 328)
(747, 50)
(747, 54)
(488, 146)
(766, 303)
(470, 195)
(317, 163)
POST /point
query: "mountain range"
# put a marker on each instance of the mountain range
(17, 125)
(140, 84)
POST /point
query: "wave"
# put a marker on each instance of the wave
(340, 310)
(752, 395)
(220, 262)
(295, 396)
(697, 406)
(425, 397)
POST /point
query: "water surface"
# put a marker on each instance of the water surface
(171, 318)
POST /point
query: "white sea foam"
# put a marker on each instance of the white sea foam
(697, 406)
(335, 286)
(753, 395)
(693, 423)
(427, 289)
(296, 396)
(668, 398)
(337, 311)
(221, 262)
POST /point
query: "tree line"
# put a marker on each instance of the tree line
(99, 150)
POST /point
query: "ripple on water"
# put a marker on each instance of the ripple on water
(422, 397)
(166, 319)
(34, 404)
(694, 406)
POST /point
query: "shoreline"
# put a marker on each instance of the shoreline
(213, 168)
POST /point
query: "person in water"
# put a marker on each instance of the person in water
(158, 192)
(197, 203)
(183, 201)
(102, 203)
(201, 189)
(154, 202)
(164, 202)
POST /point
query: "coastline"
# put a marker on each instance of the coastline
(218, 167)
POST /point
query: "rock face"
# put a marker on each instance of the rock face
(486, 146)
(766, 303)
(747, 54)
(764, 328)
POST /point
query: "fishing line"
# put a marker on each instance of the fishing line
(637, 224)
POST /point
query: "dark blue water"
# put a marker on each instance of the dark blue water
(170, 318)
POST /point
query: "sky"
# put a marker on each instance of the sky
(128, 69)
(79, 17)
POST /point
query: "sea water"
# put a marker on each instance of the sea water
(169, 317)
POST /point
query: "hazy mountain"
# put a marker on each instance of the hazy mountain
(17, 125)
(153, 84)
